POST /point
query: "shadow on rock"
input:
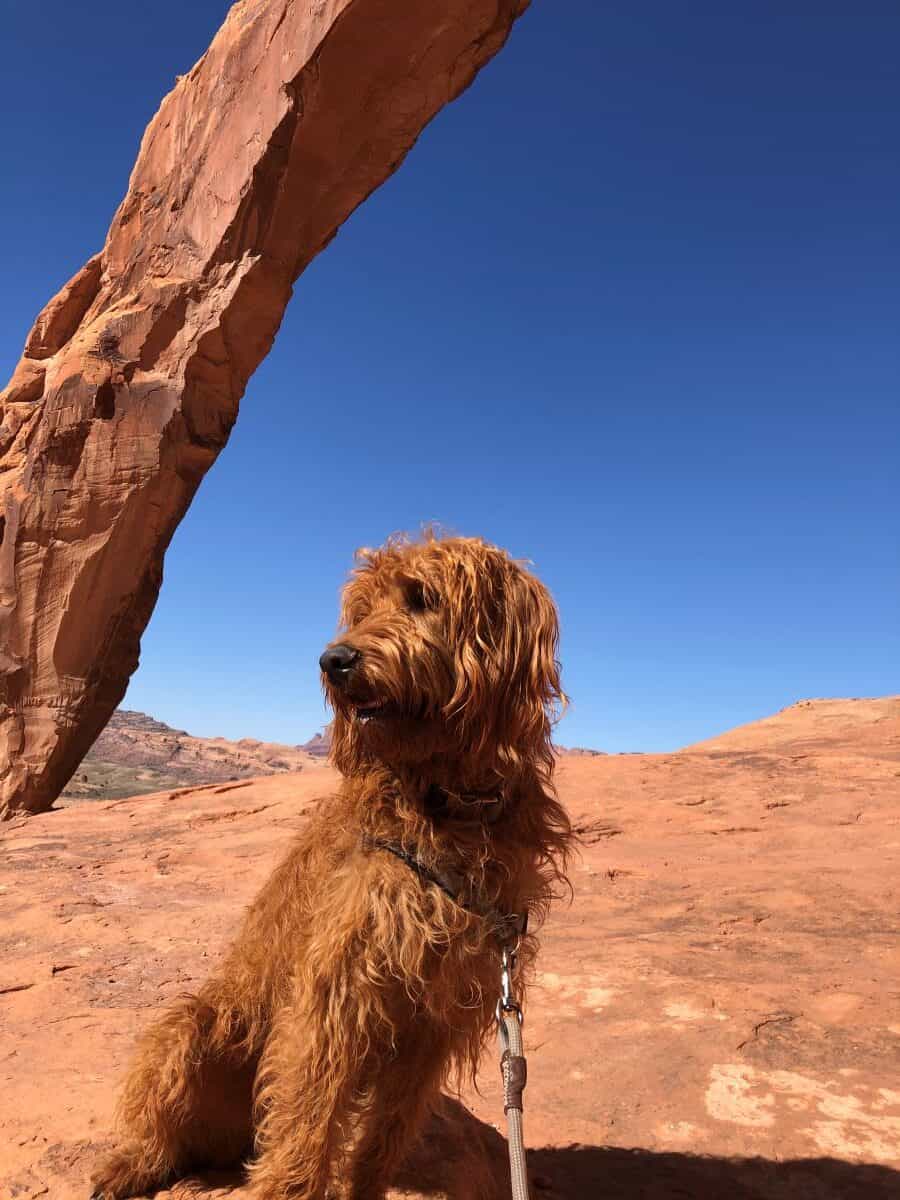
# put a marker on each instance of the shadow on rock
(465, 1159)
(610, 1173)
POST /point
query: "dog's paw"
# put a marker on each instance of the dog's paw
(125, 1173)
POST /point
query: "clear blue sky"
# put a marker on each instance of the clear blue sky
(630, 309)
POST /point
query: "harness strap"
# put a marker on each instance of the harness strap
(485, 807)
(449, 886)
(510, 927)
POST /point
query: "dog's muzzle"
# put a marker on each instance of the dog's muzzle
(337, 662)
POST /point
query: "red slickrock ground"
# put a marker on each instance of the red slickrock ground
(718, 1011)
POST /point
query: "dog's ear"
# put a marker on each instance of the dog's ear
(534, 695)
(504, 630)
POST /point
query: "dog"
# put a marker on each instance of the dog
(365, 976)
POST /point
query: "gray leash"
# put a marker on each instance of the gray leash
(513, 1068)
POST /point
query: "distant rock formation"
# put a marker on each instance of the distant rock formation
(131, 377)
(319, 745)
(136, 754)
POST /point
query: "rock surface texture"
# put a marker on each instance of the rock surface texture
(131, 377)
(715, 1019)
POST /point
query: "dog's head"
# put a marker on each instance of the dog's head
(448, 648)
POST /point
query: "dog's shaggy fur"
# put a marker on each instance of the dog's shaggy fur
(357, 986)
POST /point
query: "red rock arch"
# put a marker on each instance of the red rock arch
(132, 375)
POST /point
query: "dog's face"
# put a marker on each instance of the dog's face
(448, 648)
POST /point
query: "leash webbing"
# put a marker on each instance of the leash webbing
(514, 1070)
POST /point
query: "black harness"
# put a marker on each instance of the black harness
(509, 927)
(450, 884)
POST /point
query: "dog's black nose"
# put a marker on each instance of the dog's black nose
(337, 661)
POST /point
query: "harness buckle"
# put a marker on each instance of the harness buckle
(511, 931)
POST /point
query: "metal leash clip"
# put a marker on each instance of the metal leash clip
(507, 1002)
(510, 941)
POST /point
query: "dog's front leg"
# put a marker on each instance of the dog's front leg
(307, 1076)
(404, 1089)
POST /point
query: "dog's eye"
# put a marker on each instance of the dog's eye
(414, 593)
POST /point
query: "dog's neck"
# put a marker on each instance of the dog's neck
(443, 787)
(437, 797)
(442, 804)
(506, 836)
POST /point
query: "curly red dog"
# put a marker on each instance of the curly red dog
(365, 974)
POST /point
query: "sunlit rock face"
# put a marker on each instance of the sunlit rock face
(130, 380)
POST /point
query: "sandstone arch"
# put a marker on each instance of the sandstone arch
(131, 377)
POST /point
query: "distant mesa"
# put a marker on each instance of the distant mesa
(136, 755)
(319, 745)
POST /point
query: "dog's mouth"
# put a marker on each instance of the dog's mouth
(373, 710)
